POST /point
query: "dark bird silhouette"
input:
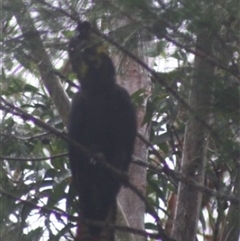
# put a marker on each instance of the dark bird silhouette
(102, 119)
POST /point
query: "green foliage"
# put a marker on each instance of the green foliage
(169, 32)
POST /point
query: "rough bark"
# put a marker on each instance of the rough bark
(133, 208)
(34, 44)
(195, 144)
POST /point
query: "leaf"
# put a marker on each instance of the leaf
(68, 34)
(58, 193)
(30, 88)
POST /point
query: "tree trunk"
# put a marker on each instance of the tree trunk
(34, 43)
(133, 208)
(195, 144)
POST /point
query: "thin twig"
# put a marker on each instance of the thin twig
(59, 214)
(188, 181)
(120, 175)
(34, 158)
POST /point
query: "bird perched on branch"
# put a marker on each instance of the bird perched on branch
(102, 119)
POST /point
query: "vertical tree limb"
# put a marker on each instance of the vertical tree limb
(195, 144)
(35, 46)
(132, 206)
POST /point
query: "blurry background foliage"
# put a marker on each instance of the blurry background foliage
(168, 30)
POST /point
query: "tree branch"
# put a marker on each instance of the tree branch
(34, 43)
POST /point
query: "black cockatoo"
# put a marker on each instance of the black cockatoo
(102, 119)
